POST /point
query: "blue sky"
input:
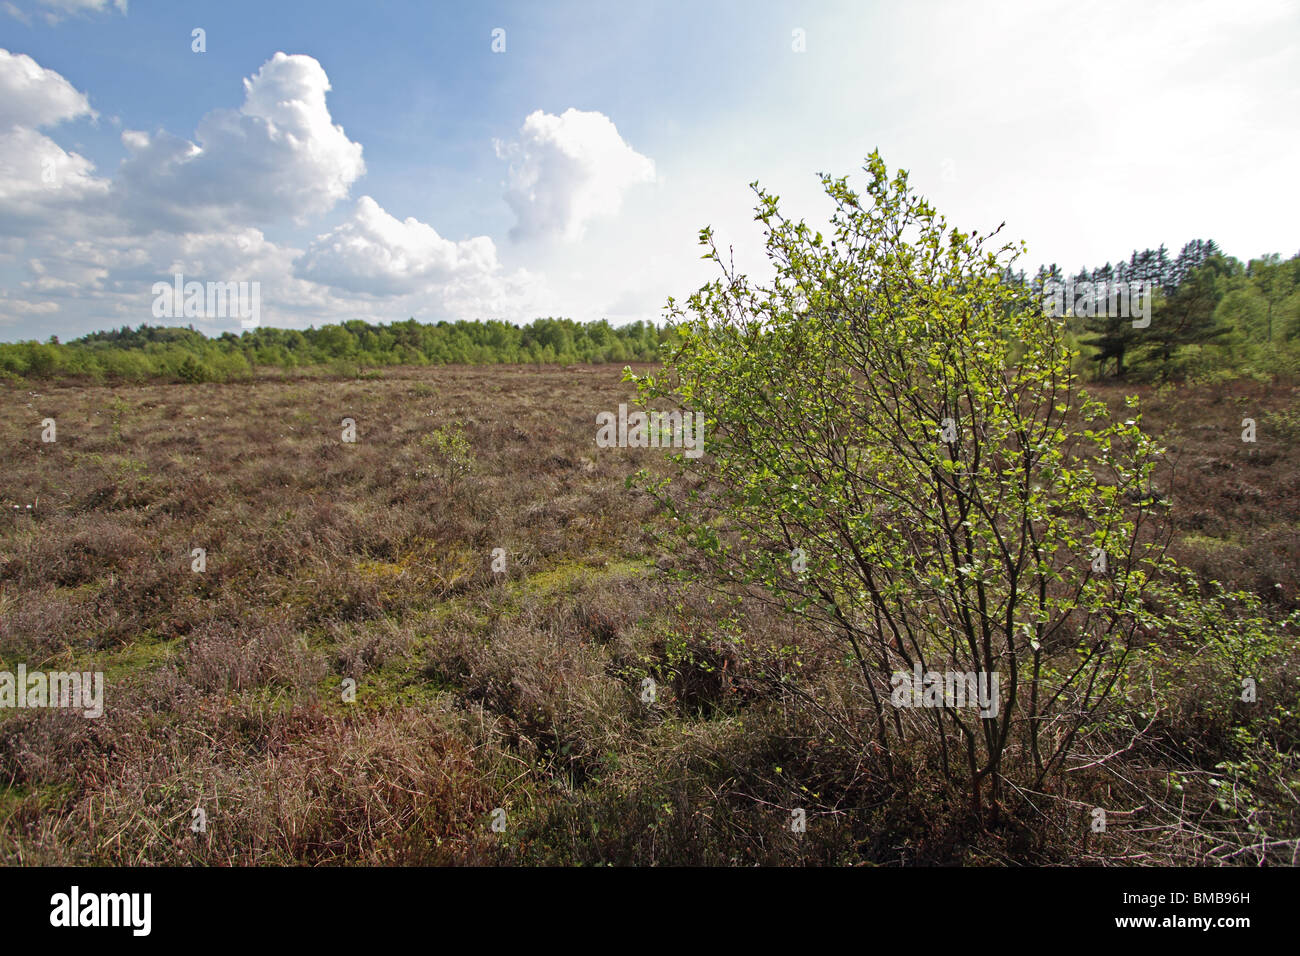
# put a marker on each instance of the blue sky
(378, 160)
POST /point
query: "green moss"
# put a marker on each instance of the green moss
(570, 574)
(1205, 541)
(15, 800)
(402, 679)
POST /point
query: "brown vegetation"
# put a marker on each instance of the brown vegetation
(476, 690)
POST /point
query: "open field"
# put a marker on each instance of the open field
(520, 689)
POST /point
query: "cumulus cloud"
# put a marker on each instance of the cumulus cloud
(375, 254)
(280, 155)
(14, 309)
(32, 96)
(116, 273)
(95, 246)
(175, 206)
(567, 170)
(40, 182)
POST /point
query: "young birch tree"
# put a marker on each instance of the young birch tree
(898, 453)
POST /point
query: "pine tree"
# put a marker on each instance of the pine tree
(1187, 316)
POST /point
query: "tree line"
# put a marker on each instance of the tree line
(1210, 315)
(186, 354)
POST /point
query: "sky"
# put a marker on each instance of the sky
(383, 160)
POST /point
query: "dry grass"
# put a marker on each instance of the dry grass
(475, 690)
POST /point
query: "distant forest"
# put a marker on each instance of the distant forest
(1213, 317)
(184, 354)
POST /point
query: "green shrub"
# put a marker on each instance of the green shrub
(450, 453)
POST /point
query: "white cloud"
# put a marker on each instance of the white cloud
(96, 246)
(567, 170)
(40, 182)
(375, 254)
(114, 274)
(92, 245)
(80, 6)
(54, 12)
(60, 8)
(279, 156)
(32, 96)
(13, 309)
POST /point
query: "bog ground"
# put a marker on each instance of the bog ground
(523, 690)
